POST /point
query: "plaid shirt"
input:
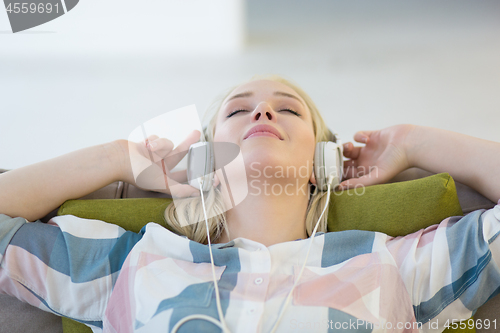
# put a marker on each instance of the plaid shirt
(119, 281)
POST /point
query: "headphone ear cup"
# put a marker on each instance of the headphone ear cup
(208, 179)
(328, 162)
(340, 160)
(200, 164)
(319, 170)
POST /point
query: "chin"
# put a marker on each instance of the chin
(263, 156)
(262, 164)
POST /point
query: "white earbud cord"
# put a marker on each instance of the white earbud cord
(222, 322)
(275, 327)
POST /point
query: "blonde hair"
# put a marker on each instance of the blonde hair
(178, 216)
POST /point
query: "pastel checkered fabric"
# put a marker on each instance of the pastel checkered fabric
(118, 281)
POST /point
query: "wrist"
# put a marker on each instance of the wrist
(413, 144)
(118, 155)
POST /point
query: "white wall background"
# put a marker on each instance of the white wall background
(86, 78)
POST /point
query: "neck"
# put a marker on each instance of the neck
(269, 218)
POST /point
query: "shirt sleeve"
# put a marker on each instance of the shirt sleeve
(67, 266)
(451, 269)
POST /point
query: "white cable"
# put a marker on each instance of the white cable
(288, 298)
(222, 322)
(197, 316)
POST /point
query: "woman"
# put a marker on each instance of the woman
(121, 282)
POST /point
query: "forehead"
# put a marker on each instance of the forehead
(263, 87)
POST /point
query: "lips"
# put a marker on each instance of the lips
(263, 129)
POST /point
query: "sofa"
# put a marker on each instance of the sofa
(17, 317)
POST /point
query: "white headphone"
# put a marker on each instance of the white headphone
(328, 162)
(200, 164)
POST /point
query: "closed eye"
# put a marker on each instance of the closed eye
(242, 110)
(235, 112)
(291, 111)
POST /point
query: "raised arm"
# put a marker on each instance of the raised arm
(35, 190)
(469, 160)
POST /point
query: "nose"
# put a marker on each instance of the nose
(263, 111)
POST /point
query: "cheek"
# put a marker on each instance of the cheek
(303, 146)
(307, 137)
(223, 134)
(229, 130)
(308, 144)
(218, 131)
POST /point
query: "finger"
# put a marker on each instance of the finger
(157, 173)
(371, 178)
(161, 146)
(350, 169)
(348, 146)
(148, 143)
(178, 153)
(150, 139)
(192, 138)
(362, 136)
(353, 153)
(157, 148)
(355, 183)
(349, 163)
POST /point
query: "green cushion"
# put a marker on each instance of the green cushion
(396, 209)
(130, 214)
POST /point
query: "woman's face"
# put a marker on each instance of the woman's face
(272, 125)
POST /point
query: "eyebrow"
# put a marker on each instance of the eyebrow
(276, 93)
